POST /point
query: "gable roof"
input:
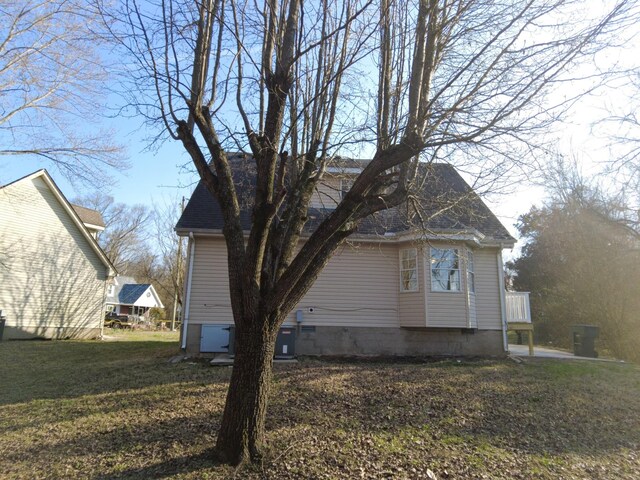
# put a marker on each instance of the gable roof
(71, 212)
(449, 206)
(129, 292)
(89, 217)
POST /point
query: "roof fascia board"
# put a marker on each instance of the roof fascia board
(339, 170)
(94, 227)
(395, 238)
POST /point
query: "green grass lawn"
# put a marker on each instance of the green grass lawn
(119, 409)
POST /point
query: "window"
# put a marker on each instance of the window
(409, 270)
(345, 186)
(445, 270)
(110, 290)
(471, 272)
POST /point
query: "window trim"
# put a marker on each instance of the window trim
(415, 268)
(459, 270)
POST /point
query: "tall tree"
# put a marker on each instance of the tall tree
(296, 83)
(581, 264)
(52, 82)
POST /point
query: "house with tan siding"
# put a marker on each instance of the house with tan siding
(53, 274)
(392, 289)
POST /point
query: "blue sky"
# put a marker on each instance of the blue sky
(152, 177)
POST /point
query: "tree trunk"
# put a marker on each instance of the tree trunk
(242, 428)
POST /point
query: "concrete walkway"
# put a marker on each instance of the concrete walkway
(543, 352)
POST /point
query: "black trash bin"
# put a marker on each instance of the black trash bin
(3, 320)
(584, 337)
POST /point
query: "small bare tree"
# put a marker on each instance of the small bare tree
(296, 83)
(52, 82)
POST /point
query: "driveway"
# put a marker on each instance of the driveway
(544, 352)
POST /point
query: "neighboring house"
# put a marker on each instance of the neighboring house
(53, 274)
(126, 297)
(391, 290)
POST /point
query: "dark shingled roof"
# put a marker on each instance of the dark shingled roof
(89, 216)
(448, 205)
(131, 292)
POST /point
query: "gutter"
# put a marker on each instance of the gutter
(185, 320)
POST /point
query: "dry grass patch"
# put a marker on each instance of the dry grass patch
(111, 410)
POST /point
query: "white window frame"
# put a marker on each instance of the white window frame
(458, 270)
(414, 282)
(345, 186)
(110, 290)
(471, 272)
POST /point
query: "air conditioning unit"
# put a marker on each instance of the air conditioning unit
(286, 343)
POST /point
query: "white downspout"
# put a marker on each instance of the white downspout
(503, 308)
(185, 321)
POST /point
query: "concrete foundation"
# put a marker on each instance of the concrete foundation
(399, 342)
(346, 341)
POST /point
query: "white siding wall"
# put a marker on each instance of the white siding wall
(358, 287)
(488, 284)
(473, 317)
(209, 301)
(50, 278)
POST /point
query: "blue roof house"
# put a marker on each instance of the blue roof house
(127, 297)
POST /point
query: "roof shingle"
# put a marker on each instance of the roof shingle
(448, 204)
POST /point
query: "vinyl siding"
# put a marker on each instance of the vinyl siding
(412, 310)
(473, 317)
(51, 281)
(488, 284)
(358, 287)
(209, 301)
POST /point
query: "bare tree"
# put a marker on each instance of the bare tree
(167, 270)
(622, 128)
(127, 227)
(297, 83)
(52, 82)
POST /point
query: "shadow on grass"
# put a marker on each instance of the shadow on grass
(168, 468)
(538, 409)
(66, 369)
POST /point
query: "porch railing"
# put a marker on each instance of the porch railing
(518, 309)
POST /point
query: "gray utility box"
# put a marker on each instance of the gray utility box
(584, 337)
(216, 339)
(286, 343)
